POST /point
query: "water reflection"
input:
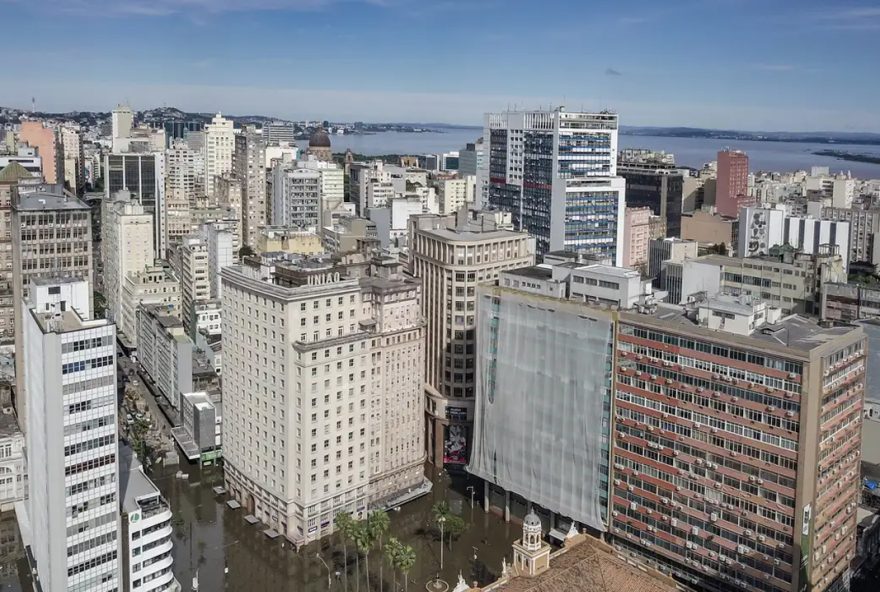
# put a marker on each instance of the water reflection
(233, 555)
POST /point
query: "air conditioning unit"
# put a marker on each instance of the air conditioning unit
(664, 500)
(615, 513)
(633, 506)
(695, 530)
(762, 538)
(690, 545)
(771, 408)
(673, 521)
(749, 533)
(713, 517)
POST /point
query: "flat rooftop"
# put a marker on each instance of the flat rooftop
(65, 322)
(535, 272)
(795, 332)
(49, 198)
(609, 270)
(133, 483)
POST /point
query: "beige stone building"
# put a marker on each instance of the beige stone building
(636, 236)
(156, 284)
(126, 246)
(322, 400)
(452, 255)
(709, 229)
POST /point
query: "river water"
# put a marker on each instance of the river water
(213, 538)
(693, 152)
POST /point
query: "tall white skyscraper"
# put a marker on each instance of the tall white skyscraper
(556, 173)
(219, 146)
(250, 170)
(122, 120)
(73, 513)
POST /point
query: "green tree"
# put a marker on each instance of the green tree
(378, 524)
(393, 549)
(245, 251)
(364, 542)
(455, 526)
(406, 559)
(344, 524)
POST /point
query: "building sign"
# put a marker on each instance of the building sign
(456, 413)
(805, 547)
(134, 517)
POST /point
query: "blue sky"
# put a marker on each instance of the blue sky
(743, 64)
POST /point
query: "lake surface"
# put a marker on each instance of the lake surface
(694, 152)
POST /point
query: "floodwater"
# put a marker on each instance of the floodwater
(211, 537)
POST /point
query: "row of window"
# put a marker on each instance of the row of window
(82, 365)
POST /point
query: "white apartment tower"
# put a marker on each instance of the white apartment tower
(73, 514)
(184, 190)
(296, 197)
(556, 173)
(126, 247)
(311, 429)
(451, 255)
(219, 146)
(250, 169)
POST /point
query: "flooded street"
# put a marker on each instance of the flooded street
(213, 538)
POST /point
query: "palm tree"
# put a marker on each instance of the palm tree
(363, 540)
(378, 524)
(343, 523)
(392, 551)
(406, 558)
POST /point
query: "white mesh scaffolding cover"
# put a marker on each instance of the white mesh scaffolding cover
(538, 428)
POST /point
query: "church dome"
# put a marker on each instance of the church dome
(319, 139)
(532, 520)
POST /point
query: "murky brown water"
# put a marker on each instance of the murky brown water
(213, 537)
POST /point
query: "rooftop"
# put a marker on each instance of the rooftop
(591, 566)
(535, 272)
(48, 197)
(133, 483)
(65, 322)
(795, 332)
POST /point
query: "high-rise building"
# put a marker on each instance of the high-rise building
(296, 197)
(250, 169)
(126, 247)
(658, 186)
(10, 176)
(332, 186)
(313, 429)
(48, 144)
(192, 269)
(279, 132)
(74, 159)
(184, 190)
(51, 237)
(864, 231)
(142, 174)
(122, 120)
(72, 507)
(732, 188)
(219, 146)
(452, 255)
(556, 173)
(736, 445)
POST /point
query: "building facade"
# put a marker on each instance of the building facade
(735, 450)
(304, 430)
(47, 141)
(126, 247)
(72, 507)
(761, 229)
(864, 232)
(556, 173)
(452, 255)
(156, 284)
(165, 352)
(218, 150)
(636, 237)
(249, 165)
(51, 236)
(191, 265)
(657, 186)
(732, 185)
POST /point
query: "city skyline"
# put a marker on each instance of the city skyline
(733, 64)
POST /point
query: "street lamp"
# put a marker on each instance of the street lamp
(471, 489)
(442, 521)
(318, 555)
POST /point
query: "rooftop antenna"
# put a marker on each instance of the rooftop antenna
(33, 105)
